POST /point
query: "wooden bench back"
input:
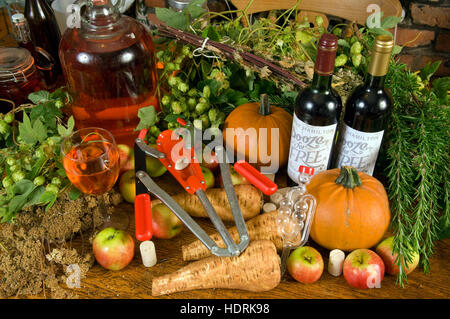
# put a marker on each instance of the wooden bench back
(352, 10)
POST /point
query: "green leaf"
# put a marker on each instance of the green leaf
(173, 19)
(39, 97)
(35, 196)
(303, 36)
(22, 187)
(195, 9)
(397, 49)
(75, 193)
(211, 33)
(343, 43)
(441, 87)
(26, 130)
(171, 118)
(63, 131)
(147, 116)
(379, 31)
(390, 22)
(40, 131)
(429, 69)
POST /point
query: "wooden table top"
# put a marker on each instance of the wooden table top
(135, 281)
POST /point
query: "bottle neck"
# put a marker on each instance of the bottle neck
(321, 82)
(374, 81)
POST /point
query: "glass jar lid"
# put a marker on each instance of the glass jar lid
(179, 4)
(15, 64)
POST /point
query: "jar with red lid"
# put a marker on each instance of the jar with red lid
(18, 77)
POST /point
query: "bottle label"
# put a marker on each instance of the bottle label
(359, 149)
(310, 146)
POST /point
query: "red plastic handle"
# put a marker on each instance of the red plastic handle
(143, 133)
(255, 177)
(143, 217)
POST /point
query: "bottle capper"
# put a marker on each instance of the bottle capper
(295, 215)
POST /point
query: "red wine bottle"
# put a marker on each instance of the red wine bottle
(44, 29)
(316, 114)
(366, 113)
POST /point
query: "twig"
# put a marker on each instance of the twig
(227, 51)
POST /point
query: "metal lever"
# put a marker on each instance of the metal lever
(183, 216)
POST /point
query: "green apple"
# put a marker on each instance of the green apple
(236, 178)
(113, 249)
(165, 223)
(154, 166)
(127, 186)
(385, 251)
(208, 176)
(305, 264)
(126, 157)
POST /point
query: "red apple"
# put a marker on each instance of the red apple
(127, 186)
(236, 178)
(210, 159)
(126, 157)
(385, 250)
(363, 269)
(165, 223)
(113, 249)
(305, 264)
(208, 176)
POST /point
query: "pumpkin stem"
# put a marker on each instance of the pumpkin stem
(348, 177)
(264, 106)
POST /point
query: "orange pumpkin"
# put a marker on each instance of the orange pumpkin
(352, 209)
(257, 148)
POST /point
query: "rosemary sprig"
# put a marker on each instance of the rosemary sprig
(418, 166)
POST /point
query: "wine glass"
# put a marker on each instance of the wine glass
(91, 162)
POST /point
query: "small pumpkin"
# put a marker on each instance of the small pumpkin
(257, 116)
(352, 209)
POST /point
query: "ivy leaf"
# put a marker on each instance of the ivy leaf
(147, 116)
(303, 36)
(39, 97)
(171, 118)
(211, 33)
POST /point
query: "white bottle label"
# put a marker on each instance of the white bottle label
(359, 149)
(310, 146)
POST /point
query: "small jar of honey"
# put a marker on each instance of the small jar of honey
(18, 77)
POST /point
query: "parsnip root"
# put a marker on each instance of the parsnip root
(256, 269)
(249, 199)
(260, 227)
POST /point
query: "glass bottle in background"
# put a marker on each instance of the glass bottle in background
(44, 29)
(21, 32)
(366, 113)
(316, 114)
(43, 60)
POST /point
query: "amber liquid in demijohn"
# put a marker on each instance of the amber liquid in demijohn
(109, 66)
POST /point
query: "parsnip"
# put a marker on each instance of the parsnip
(260, 227)
(249, 199)
(256, 269)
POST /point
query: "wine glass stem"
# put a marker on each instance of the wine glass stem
(106, 216)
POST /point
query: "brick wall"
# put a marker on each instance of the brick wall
(425, 34)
